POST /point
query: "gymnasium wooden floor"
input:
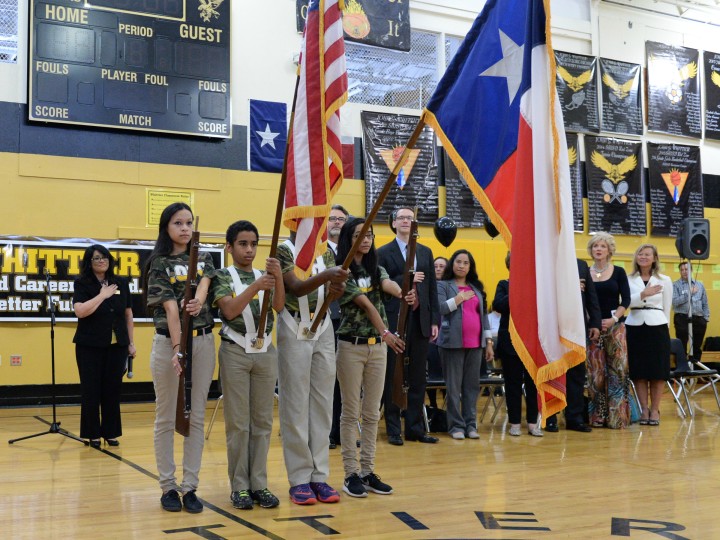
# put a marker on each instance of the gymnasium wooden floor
(565, 485)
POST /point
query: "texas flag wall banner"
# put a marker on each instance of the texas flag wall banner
(268, 135)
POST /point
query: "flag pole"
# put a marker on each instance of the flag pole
(259, 341)
(319, 315)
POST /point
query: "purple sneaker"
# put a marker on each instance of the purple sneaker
(324, 493)
(302, 494)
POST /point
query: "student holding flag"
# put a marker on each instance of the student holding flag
(248, 373)
(362, 352)
(307, 375)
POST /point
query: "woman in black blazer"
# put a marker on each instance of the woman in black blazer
(103, 342)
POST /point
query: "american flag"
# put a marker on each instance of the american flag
(314, 170)
(497, 112)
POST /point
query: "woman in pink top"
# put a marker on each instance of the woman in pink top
(464, 332)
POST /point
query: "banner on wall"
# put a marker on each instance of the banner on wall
(384, 139)
(621, 97)
(577, 90)
(616, 197)
(673, 90)
(32, 271)
(381, 23)
(712, 95)
(460, 203)
(676, 187)
(576, 186)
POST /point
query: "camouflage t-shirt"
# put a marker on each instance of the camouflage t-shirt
(166, 281)
(354, 320)
(222, 286)
(287, 264)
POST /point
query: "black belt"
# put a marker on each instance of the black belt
(659, 309)
(355, 340)
(224, 338)
(196, 331)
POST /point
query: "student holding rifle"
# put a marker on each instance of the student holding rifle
(166, 273)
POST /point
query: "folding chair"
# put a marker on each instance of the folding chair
(683, 374)
(493, 381)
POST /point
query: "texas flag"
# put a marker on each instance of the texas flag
(268, 135)
(497, 113)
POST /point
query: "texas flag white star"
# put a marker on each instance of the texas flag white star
(268, 137)
(510, 67)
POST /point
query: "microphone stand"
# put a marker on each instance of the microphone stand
(55, 425)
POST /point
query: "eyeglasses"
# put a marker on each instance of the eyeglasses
(404, 218)
(338, 219)
(369, 236)
(98, 259)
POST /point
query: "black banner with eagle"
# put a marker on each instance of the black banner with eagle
(620, 97)
(676, 188)
(616, 197)
(673, 90)
(384, 138)
(460, 203)
(712, 95)
(576, 184)
(577, 89)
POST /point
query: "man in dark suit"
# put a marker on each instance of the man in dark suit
(575, 377)
(422, 325)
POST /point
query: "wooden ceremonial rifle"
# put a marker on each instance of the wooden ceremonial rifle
(184, 394)
(400, 385)
(320, 314)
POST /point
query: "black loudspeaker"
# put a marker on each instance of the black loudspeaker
(693, 239)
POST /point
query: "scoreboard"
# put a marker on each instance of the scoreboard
(152, 65)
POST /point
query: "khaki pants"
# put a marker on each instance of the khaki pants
(307, 380)
(360, 368)
(165, 381)
(248, 382)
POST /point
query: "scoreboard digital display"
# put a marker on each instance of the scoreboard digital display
(152, 65)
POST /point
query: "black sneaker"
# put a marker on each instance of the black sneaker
(264, 498)
(354, 487)
(191, 503)
(373, 483)
(241, 500)
(170, 501)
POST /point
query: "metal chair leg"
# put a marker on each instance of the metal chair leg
(686, 396)
(212, 419)
(675, 397)
(497, 409)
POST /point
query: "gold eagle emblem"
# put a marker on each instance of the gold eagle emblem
(572, 155)
(688, 71)
(612, 171)
(209, 9)
(574, 83)
(620, 90)
(715, 78)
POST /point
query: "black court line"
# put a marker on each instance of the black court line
(211, 506)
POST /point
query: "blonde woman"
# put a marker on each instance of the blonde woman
(607, 357)
(648, 331)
